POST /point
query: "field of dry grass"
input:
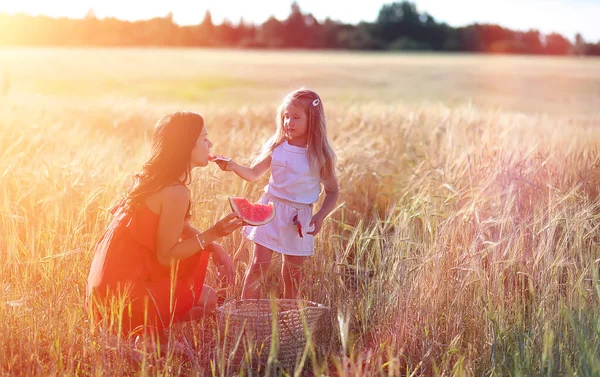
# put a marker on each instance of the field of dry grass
(467, 239)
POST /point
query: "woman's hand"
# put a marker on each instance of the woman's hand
(227, 225)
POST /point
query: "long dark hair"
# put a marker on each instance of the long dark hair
(173, 141)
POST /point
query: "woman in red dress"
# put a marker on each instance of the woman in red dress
(149, 266)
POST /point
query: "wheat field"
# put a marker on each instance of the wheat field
(466, 238)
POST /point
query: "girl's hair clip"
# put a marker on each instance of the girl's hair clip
(315, 102)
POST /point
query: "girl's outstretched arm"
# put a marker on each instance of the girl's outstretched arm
(332, 193)
(251, 173)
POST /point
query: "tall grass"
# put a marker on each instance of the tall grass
(465, 242)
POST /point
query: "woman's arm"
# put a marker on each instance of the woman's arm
(171, 225)
(220, 258)
(331, 197)
(249, 174)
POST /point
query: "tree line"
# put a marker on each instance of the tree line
(399, 26)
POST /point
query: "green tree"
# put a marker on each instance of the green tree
(556, 44)
(272, 33)
(580, 45)
(399, 20)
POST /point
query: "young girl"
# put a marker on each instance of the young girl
(300, 159)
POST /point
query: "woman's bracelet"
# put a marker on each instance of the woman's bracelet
(201, 242)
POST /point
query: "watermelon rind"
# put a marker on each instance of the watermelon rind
(236, 210)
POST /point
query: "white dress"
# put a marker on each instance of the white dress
(293, 188)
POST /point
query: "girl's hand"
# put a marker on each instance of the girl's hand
(224, 163)
(317, 222)
(227, 225)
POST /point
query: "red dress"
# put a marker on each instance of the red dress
(127, 285)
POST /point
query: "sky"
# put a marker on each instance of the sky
(566, 17)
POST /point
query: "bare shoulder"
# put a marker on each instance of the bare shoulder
(266, 157)
(171, 196)
(262, 161)
(174, 194)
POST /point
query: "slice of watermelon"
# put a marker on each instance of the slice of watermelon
(252, 213)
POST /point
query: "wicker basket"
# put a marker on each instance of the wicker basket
(246, 328)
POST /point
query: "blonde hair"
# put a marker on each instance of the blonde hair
(320, 154)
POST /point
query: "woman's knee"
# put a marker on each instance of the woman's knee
(214, 247)
(208, 298)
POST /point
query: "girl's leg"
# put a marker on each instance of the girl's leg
(257, 272)
(291, 272)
